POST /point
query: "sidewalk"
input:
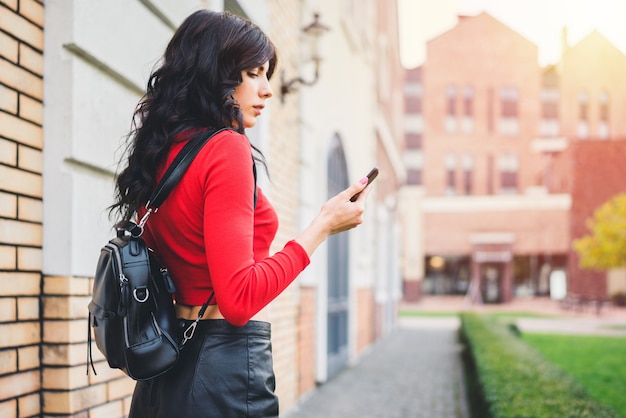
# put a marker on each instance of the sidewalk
(414, 372)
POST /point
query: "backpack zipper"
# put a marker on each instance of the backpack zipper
(118, 258)
(123, 281)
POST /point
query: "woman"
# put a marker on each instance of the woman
(212, 233)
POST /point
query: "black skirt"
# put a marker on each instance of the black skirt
(224, 371)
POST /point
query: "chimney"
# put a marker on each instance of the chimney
(564, 44)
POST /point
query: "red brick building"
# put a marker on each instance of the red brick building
(597, 173)
(508, 159)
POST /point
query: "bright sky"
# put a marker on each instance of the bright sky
(540, 21)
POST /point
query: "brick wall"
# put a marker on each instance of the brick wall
(66, 388)
(594, 169)
(282, 155)
(481, 53)
(597, 173)
(21, 143)
(306, 340)
(537, 227)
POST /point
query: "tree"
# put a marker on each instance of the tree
(605, 247)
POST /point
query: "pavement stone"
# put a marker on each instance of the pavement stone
(415, 371)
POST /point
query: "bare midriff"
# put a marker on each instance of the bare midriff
(212, 312)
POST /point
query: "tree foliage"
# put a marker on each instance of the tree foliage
(604, 247)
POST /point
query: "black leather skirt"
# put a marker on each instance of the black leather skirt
(224, 371)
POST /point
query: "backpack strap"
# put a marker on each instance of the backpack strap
(178, 167)
(175, 172)
(170, 179)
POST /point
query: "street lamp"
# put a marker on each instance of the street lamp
(313, 32)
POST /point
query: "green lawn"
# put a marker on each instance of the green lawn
(513, 315)
(501, 315)
(410, 313)
(598, 363)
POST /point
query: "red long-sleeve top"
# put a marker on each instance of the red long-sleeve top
(210, 237)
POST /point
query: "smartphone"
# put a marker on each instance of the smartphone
(370, 178)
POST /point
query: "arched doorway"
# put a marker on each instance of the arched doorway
(338, 306)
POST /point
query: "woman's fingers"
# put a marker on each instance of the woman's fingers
(355, 190)
(364, 190)
(338, 214)
(343, 213)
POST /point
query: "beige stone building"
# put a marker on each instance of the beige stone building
(90, 60)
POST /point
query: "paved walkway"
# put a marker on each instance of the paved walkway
(414, 372)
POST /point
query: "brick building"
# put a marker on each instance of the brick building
(57, 164)
(597, 173)
(494, 158)
(591, 81)
(389, 133)
(21, 211)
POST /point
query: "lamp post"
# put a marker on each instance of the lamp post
(313, 32)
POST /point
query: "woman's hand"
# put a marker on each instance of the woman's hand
(340, 214)
(337, 215)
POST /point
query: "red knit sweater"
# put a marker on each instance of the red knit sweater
(210, 237)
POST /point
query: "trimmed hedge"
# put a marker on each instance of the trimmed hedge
(514, 380)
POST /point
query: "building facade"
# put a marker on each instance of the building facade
(351, 279)
(58, 162)
(592, 86)
(492, 158)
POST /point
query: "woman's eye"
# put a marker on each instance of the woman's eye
(252, 75)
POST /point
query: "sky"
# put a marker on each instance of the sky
(540, 21)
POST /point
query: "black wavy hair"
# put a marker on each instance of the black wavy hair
(192, 88)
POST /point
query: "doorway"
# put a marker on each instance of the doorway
(338, 245)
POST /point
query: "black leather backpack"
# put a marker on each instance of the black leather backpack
(132, 312)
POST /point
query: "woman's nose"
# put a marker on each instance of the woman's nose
(266, 90)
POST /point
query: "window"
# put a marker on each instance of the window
(450, 119)
(583, 106)
(413, 88)
(549, 125)
(413, 141)
(413, 176)
(583, 114)
(414, 123)
(603, 124)
(549, 95)
(509, 123)
(490, 114)
(413, 161)
(467, 123)
(508, 165)
(413, 104)
(450, 163)
(468, 168)
(490, 174)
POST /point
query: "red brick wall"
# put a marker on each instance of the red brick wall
(536, 231)
(598, 170)
(484, 54)
(306, 340)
